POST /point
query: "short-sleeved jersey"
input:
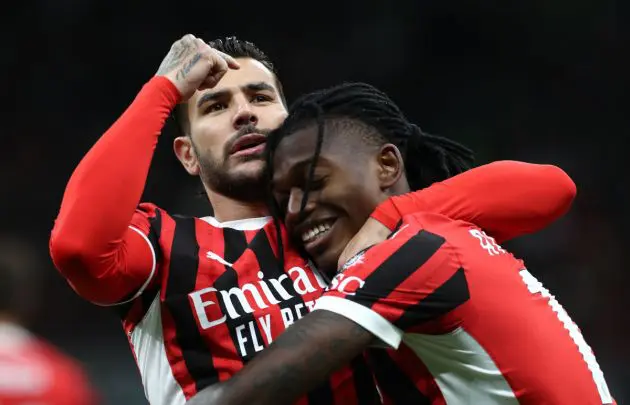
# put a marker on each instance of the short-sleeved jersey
(216, 297)
(464, 320)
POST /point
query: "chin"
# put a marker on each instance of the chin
(327, 263)
(252, 170)
(329, 268)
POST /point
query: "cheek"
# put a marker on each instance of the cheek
(353, 200)
(210, 140)
(272, 117)
(363, 201)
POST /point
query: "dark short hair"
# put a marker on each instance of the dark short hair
(236, 48)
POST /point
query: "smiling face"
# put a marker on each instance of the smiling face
(350, 180)
(228, 125)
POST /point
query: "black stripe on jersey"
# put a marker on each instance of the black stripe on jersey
(268, 262)
(146, 299)
(364, 382)
(261, 247)
(408, 258)
(392, 381)
(182, 277)
(453, 293)
(240, 328)
(155, 228)
(155, 231)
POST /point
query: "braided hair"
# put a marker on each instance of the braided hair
(427, 158)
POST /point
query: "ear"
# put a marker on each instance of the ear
(183, 148)
(390, 166)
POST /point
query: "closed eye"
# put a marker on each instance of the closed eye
(318, 182)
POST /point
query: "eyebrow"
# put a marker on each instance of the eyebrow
(301, 168)
(250, 87)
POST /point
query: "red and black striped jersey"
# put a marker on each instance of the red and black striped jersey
(215, 298)
(463, 320)
(201, 297)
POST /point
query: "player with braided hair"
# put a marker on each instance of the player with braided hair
(451, 310)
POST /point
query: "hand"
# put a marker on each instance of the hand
(192, 64)
(371, 233)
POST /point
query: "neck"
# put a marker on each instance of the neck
(400, 187)
(230, 209)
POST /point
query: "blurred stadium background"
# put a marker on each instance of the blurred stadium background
(539, 81)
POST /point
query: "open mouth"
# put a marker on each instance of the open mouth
(250, 144)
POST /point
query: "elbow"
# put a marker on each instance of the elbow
(71, 259)
(562, 188)
(66, 251)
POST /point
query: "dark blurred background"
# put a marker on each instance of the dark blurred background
(540, 81)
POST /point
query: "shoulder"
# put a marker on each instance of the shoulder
(411, 245)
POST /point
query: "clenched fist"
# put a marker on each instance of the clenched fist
(192, 64)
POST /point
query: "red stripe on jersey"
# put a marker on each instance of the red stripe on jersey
(492, 318)
(397, 275)
(224, 295)
(217, 337)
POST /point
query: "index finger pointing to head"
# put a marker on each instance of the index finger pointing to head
(232, 63)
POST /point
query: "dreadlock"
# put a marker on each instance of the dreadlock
(236, 48)
(427, 158)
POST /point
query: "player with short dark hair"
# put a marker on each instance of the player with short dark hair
(239, 49)
(200, 297)
(462, 321)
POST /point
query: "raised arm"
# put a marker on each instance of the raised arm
(505, 198)
(101, 242)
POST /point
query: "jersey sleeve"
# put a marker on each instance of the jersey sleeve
(103, 241)
(506, 198)
(402, 283)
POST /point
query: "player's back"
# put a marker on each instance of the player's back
(510, 338)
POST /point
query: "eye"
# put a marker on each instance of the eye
(261, 98)
(215, 107)
(317, 183)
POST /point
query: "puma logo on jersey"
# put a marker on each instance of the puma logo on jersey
(213, 256)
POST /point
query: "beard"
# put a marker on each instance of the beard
(218, 176)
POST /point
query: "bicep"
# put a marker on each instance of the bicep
(531, 197)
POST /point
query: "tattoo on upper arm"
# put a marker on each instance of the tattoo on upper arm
(299, 360)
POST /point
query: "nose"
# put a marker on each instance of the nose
(293, 214)
(244, 116)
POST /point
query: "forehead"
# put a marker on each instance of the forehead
(297, 149)
(251, 71)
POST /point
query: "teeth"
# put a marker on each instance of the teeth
(315, 232)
